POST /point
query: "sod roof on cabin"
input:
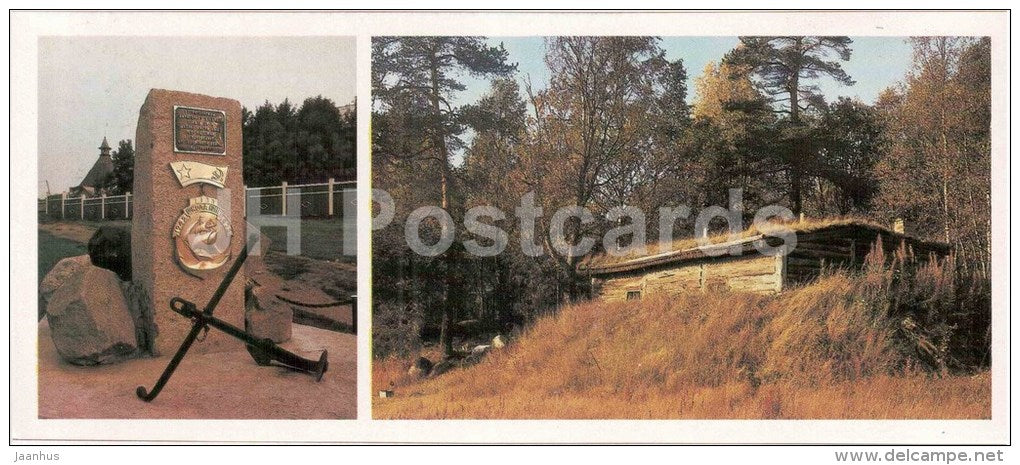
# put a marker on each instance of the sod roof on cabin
(687, 249)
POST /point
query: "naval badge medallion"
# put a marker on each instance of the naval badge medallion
(202, 235)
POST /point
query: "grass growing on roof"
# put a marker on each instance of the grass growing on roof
(653, 247)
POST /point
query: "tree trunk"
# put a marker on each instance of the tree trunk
(943, 130)
(796, 195)
(571, 294)
(945, 208)
(796, 173)
(451, 293)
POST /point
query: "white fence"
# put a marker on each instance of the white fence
(311, 200)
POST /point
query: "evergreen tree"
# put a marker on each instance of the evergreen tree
(852, 141)
(123, 176)
(786, 68)
(417, 77)
(299, 145)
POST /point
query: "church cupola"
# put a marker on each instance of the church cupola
(104, 149)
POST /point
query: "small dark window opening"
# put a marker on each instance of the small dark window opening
(633, 295)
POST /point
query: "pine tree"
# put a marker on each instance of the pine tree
(416, 78)
(785, 67)
(123, 175)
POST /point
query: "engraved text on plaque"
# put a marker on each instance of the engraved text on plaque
(199, 131)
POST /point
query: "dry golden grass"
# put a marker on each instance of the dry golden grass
(883, 397)
(822, 351)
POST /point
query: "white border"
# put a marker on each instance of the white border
(26, 27)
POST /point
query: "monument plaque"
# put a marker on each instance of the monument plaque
(199, 130)
(188, 225)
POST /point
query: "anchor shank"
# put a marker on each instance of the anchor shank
(266, 346)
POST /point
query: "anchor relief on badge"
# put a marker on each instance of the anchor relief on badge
(202, 235)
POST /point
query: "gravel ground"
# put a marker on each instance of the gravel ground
(223, 385)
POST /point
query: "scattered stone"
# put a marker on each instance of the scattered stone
(89, 319)
(57, 276)
(110, 248)
(444, 366)
(476, 355)
(480, 349)
(265, 315)
(498, 342)
(420, 368)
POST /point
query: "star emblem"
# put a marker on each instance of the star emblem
(184, 172)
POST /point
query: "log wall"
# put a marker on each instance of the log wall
(748, 273)
(848, 247)
(838, 247)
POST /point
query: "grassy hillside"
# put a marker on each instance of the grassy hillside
(876, 344)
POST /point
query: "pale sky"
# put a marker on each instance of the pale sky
(876, 63)
(91, 87)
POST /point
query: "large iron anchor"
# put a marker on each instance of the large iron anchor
(264, 351)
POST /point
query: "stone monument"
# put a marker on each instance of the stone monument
(188, 224)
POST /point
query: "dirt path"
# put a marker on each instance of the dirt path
(77, 232)
(225, 385)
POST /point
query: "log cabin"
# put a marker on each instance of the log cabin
(685, 267)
